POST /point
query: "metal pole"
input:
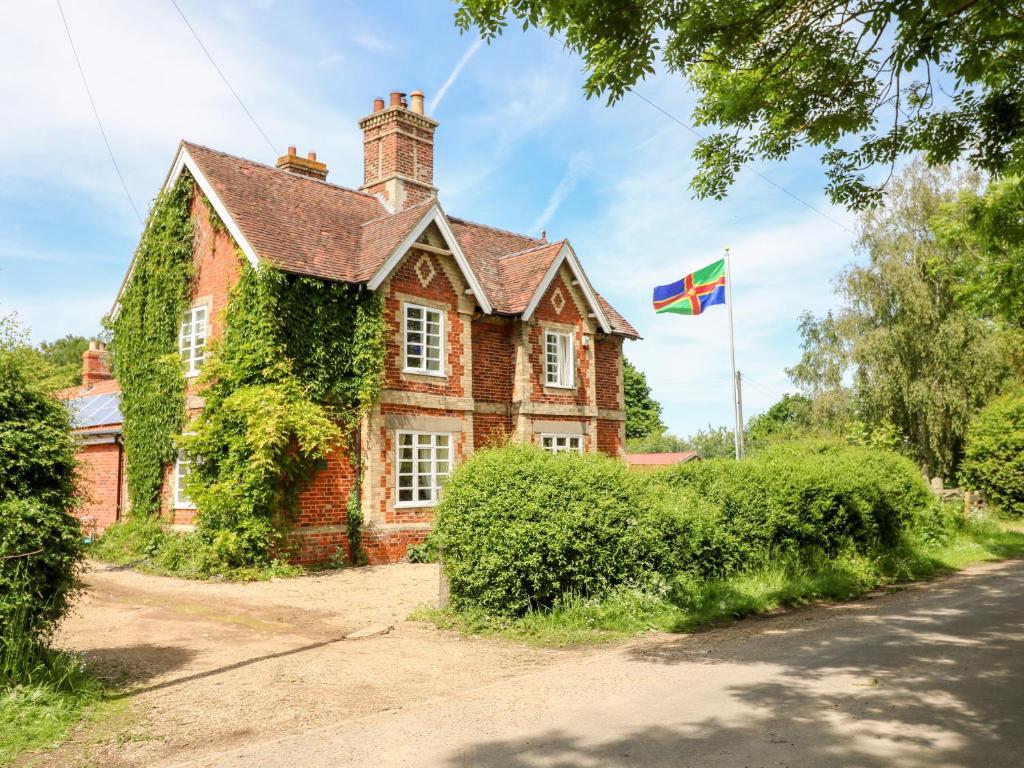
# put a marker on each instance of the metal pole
(737, 435)
(739, 410)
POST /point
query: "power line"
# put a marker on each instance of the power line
(223, 76)
(95, 112)
(749, 167)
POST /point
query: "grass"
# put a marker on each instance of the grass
(689, 603)
(55, 694)
(147, 545)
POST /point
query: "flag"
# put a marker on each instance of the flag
(694, 293)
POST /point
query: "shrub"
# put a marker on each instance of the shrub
(522, 530)
(994, 453)
(36, 499)
(519, 527)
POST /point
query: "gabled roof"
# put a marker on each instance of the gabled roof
(306, 226)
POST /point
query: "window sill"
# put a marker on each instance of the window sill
(415, 504)
(431, 374)
(568, 387)
(184, 508)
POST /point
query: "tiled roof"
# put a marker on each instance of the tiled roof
(618, 323)
(309, 227)
(105, 387)
(660, 459)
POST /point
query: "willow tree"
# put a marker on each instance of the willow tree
(914, 354)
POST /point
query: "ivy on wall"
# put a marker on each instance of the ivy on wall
(300, 361)
(145, 343)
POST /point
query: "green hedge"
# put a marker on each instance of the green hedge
(994, 453)
(521, 529)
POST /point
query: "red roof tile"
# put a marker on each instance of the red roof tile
(660, 459)
(307, 226)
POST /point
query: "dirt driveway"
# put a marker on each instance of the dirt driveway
(211, 666)
(261, 676)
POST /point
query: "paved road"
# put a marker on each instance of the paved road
(928, 676)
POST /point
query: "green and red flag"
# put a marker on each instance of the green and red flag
(694, 293)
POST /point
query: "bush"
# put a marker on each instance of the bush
(522, 530)
(994, 453)
(519, 527)
(40, 541)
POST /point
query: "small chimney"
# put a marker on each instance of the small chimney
(302, 166)
(398, 151)
(416, 106)
(95, 364)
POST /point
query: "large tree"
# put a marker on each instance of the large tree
(643, 412)
(918, 359)
(866, 81)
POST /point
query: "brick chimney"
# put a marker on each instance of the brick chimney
(398, 151)
(303, 166)
(95, 364)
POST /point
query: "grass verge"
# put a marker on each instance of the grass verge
(687, 604)
(147, 545)
(37, 714)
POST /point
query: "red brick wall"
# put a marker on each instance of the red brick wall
(570, 314)
(607, 353)
(490, 429)
(324, 504)
(218, 265)
(439, 289)
(494, 360)
(398, 145)
(608, 437)
(97, 485)
(383, 547)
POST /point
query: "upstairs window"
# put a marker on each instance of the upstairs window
(558, 359)
(192, 340)
(181, 469)
(561, 443)
(424, 461)
(424, 340)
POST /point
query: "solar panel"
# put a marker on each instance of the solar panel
(95, 410)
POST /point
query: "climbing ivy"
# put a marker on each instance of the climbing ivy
(299, 362)
(144, 344)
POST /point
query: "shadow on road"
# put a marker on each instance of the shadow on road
(932, 677)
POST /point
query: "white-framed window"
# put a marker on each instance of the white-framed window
(424, 340)
(559, 370)
(562, 443)
(423, 462)
(182, 466)
(192, 339)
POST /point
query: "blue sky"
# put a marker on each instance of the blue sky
(518, 147)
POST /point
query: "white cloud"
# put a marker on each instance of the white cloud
(435, 102)
(579, 167)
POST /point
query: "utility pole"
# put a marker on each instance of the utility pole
(739, 415)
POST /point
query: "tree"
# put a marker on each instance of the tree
(790, 417)
(986, 233)
(40, 540)
(65, 354)
(995, 452)
(866, 81)
(920, 363)
(643, 412)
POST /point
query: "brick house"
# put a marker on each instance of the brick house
(493, 334)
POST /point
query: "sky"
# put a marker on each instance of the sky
(518, 147)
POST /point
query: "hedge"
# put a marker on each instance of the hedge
(520, 529)
(994, 453)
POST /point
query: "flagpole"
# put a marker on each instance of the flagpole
(737, 434)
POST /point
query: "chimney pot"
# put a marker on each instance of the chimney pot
(291, 150)
(302, 166)
(417, 102)
(396, 98)
(311, 156)
(93, 345)
(378, 104)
